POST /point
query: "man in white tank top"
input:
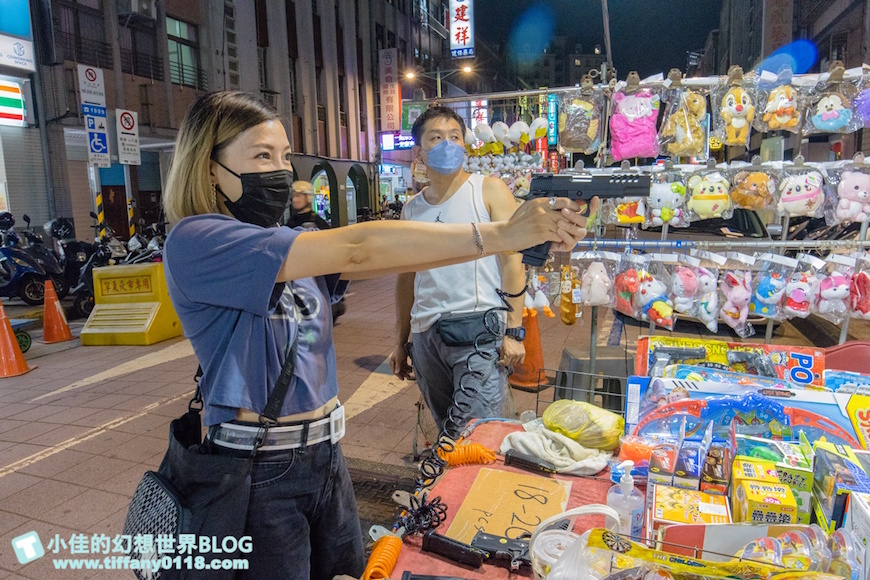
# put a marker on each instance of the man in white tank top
(424, 298)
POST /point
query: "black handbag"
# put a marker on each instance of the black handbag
(195, 491)
(463, 329)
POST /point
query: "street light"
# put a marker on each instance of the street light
(438, 75)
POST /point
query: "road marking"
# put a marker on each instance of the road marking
(170, 353)
(380, 386)
(46, 453)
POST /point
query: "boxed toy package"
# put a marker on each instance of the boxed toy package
(682, 506)
(836, 475)
(716, 473)
(757, 495)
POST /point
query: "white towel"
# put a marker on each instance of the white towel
(566, 454)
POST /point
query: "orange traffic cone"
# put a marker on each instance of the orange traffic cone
(12, 362)
(54, 326)
(526, 376)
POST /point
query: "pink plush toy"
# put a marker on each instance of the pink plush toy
(854, 193)
(684, 289)
(633, 125)
(738, 292)
(833, 294)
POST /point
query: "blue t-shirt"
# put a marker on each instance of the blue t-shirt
(221, 277)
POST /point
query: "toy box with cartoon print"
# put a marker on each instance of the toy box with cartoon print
(690, 460)
(757, 495)
(836, 475)
(798, 364)
(655, 407)
(683, 506)
(859, 522)
(792, 467)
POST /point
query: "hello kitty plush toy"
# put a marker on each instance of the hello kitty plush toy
(666, 203)
(654, 302)
(737, 289)
(833, 294)
(854, 194)
(801, 195)
(708, 305)
(684, 289)
(596, 285)
(633, 124)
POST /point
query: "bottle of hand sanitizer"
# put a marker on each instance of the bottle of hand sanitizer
(628, 503)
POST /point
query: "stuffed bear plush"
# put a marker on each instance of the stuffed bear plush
(633, 125)
(801, 195)
(854, 192)
(710, 197)
(753, 190)
(684, 126)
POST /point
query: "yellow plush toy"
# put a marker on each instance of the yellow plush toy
(684, 126)
(738, 112)
(710, 197)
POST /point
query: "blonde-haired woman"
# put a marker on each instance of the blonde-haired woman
(245, 291)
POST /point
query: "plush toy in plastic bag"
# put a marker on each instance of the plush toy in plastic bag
(710, 195)
(802, 288)
(859, 291)
(736, 109)
(580, 116)
(829, 109)
(800, 191)
(588, 425)
(652, 297)
(596, 279)
(626, 284)
(667, 199)
(736, 286)
(853, 195)
(770, 283)
(835, 279)
(779, 103)
(753, 187)
(685, 290)
(633, 121)
(683, 132)
(568, 299)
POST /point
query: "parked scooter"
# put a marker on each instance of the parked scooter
(21, 274)
(102, 255)
(35, 244)
(73, 253)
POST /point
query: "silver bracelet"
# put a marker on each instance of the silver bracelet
(478, 239)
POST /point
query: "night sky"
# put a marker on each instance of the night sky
(648, 36)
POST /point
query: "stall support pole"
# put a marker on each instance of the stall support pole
(768, 331)
(844, 331)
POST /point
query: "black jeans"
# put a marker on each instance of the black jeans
(302, 517)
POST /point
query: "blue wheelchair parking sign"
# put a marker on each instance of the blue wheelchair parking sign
(98, 142)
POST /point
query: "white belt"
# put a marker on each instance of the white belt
(280, 437)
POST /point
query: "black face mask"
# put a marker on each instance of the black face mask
(264, 196)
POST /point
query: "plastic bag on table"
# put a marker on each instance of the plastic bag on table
(588, 425)
(561, 554)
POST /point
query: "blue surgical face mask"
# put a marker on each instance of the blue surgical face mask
(446, 157)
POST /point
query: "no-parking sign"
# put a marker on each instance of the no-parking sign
(128, 137)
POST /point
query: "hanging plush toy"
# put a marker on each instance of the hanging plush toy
(683, 132)
(652, 297)
(502, 135)
(800, 294)
(768, 293)
(626, 285)
(801, 195)
(519, 134)
(684, 289)
(710, 198)
(633, 123)
(833, 293)
(580, 115)
(567, 306)
(854, 193)
(666, 203)
(859, 294)
(708, 306)
(538, 128)
(830, 110)
(737, 288)
(736, 109)
(753, 190)
(596, 285)
(782, 112)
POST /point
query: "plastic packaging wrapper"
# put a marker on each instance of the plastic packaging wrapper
(569, 301)
(588, 425)
(769, 285)
(558, 554)
(633, 121)
(859, 290)
(829, 104)
(684, 132)
(800, 192)
(667, 200)
(684, 290)
(707, 307)
(852, 195)
(596, 276)
(834, 284)
(802, 288)
(626, 284)
(734, 108)
(844, 555)
(753, 187)
(710, 195)
(736, 287)
(779, 103)
(581, 115)
(652, 297)
(625, 210)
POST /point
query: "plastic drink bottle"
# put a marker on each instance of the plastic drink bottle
(628, 503)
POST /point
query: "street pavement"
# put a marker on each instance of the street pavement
(78, 431)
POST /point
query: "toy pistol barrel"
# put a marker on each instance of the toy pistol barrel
(581, 187)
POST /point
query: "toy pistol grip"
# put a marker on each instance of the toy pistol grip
(537, 256)
(692, 407)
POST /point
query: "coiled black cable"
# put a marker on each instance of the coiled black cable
(425, 514)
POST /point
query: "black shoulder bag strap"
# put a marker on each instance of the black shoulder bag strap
(269, 416)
